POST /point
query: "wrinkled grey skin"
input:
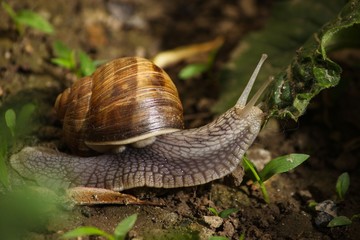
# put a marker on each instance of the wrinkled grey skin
(184, 158)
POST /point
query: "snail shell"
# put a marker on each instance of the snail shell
(126, 101)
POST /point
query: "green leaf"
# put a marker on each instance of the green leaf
(282, 164)
(342, 185)
(4, 176)
(255, 175)
(227, 212)
(86, 231)
(242, 236)
(87, 66)
(312, 204)
(218, 238)
(61, 50)
(10, 119)
(25, 114)
(213, 211)
(9, 10)
(63, 63)
(193, 70)
(124, 227)
(65, 56)
(34, 20)
(249, 166)
(339, 221)
(24, 119)
(298, 44)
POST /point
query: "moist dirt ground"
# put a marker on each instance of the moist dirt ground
(328, 132)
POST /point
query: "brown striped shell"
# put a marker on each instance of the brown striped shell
(125, 101)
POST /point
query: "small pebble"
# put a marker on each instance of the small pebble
(305, 195)
(326, 211)
(213, 221)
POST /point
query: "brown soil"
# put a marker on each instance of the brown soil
(329, 132)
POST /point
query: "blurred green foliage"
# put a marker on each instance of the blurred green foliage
(28, 18)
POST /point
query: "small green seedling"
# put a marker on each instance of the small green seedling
(223, 214)
(28, 207)
(13, 125)
(242, 236)
(195, 69)
(65, 57)
(87, 66)
(17, 121)
(4, 175)
(342, 185)
(10, 120)
(343, 221)
(28, 18)
(77, 62)
(275, 166)
(339, 221)
(312, 204)
(119, 234)
(218, 238)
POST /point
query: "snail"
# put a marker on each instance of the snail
(156, 151)
(126, 101)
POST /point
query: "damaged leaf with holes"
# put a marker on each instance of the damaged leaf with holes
(298, 56)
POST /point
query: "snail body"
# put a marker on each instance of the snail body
(177, 158)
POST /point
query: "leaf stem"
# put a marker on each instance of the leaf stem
(258, 179)
(264, 192)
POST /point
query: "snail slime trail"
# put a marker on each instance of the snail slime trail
(177, 158)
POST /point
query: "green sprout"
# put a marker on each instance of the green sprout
(241, 237)
(120, 232)
(10, 119)
(195, 69)
(343, 221)
(218, 238)
(339, 221)
(78, 62)
(65, 57)
(14, 124)
(223, 214)
(4, 175)
(342, 185)
(275, 166)
(87, 66)
(28, 18)
(26, 208)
